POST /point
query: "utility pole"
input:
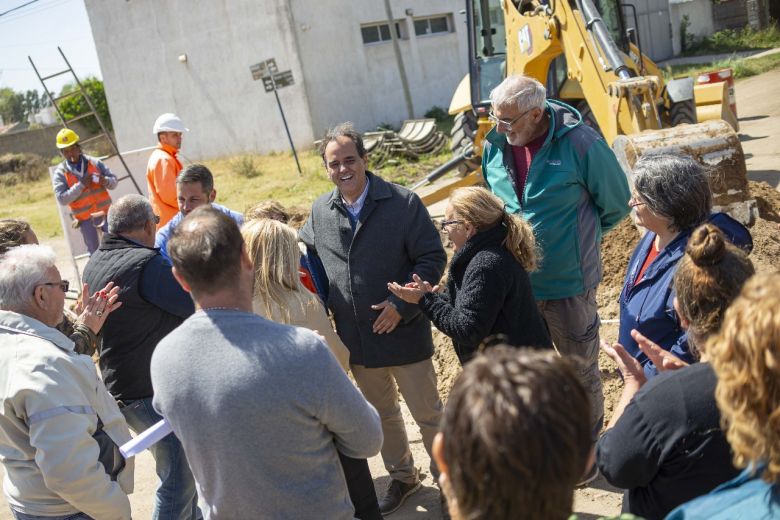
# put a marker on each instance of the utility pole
(399, 60)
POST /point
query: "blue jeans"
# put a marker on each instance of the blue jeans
(176, 497)
(73, 516)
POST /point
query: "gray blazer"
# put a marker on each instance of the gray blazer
(394, 237)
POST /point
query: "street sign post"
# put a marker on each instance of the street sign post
(273, 80)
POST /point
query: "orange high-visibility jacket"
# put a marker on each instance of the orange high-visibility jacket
(93, 199)
(161, 173)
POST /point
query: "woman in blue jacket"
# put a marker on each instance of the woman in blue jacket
(670, 197)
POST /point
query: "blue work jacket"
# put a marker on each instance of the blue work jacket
(648, 305)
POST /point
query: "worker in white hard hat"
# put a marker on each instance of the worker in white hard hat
(81, 182)
(164, 167)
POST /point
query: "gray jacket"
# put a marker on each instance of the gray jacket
(394, 238)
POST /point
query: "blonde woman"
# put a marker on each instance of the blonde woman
(488, 290)
(746, 358)
(279, 294)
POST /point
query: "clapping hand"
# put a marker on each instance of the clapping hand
(413, 291)
(95, 310)
(662, 359)
(632, 371)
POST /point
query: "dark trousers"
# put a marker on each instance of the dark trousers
(361, 488)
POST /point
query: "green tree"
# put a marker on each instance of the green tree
(76, 105)
(32, 102)
(12, 105)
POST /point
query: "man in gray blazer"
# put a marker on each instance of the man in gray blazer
(368, 232)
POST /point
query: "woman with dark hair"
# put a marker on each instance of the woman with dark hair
(670, 197)
(664, 443)
(488, 289)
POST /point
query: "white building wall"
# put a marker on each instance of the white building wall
(699, 14)
(348, 80)
(139, 43)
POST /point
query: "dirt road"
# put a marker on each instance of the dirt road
(758, 107)
(758, 101)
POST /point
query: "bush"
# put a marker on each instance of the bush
(731, 40)
(76, 105)
(385, 126)
(246, 166)
(444, 121)
(17, 168)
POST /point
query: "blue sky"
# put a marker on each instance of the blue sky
(36, 30)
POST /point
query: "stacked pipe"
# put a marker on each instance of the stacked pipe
(416, 137)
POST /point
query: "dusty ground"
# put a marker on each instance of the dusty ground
(758, 100)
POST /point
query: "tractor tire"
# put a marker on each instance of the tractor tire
(587, 116)
(683, 112)
(462, 136)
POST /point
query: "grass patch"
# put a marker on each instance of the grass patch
(731, 40)
(272, 176)
(742, 67)
(34, 202)
(279, 179)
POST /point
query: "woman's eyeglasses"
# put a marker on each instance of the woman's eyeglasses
(446, 223)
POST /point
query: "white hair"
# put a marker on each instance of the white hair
(129, 213)
(21, 269)
(525, 92)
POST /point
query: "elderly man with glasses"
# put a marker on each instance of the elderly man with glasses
(545, 163)
(59, 427)
(153, 304)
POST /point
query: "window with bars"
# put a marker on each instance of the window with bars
(380, 32)
(433, 25)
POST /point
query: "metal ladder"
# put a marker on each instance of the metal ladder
(104, 134)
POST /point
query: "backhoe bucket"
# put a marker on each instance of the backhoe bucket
(715, 145)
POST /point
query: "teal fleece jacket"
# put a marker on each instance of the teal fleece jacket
(575, 192)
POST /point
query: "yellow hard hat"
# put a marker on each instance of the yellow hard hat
(66, 137)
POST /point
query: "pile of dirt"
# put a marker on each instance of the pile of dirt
(616, 249)
(765, 231)
(445, 362)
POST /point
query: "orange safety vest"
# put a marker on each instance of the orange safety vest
(93, 199)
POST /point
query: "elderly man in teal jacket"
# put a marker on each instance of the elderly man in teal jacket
(545, 163)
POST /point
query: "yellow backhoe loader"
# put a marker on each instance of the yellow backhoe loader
(582, 52)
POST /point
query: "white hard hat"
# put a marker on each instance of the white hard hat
(169, 123)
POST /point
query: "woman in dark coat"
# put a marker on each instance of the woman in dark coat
(488, 291)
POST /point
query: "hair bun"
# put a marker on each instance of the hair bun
(707, 245)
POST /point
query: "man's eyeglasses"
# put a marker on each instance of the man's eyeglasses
(335, 166)
(503, 122)
(445, 223)
(64, 285)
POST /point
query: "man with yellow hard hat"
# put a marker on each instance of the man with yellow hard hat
(82, 182)
(164, 167)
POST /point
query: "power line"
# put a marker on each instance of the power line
(37, 9)
(18, 7)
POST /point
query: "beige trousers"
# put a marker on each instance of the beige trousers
(417, 384)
